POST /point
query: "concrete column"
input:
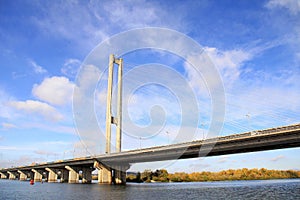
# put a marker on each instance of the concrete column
(3, 175)
(64, 176)
(108, 103)
(120, 174)
(87, 175)
(119, 105)
(38, 175)
(31, 175)
(12, 176)
(23, 176)
(46, 175)
(73, 175)
(104, 173)
(105, 176)
(52, 176)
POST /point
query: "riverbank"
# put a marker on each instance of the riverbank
(162, 175)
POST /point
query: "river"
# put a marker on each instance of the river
(256, 189)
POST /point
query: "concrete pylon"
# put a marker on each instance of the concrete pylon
(64, 176)
(3, 175)
(38, 175)
(87, 175)
(23, 175)
(109, 118)
(52, 176)
(11, 175)
(73, 175)
(104, 173)
(120, 174)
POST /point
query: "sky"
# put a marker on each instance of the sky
(53, 77)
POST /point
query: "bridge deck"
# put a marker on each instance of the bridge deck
(269, 139)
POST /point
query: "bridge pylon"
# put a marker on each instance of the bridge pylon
(109, 118)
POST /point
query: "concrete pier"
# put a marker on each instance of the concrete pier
(87, 175)
(119, 177)
(38, 175)
(52, 175)
(23, 175)
(12, 176)
(104, 173)
(73, 174)
(64, 176)
(3, 175)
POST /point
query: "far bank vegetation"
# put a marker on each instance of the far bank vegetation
(162, 175)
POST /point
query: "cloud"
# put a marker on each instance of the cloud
(277, 158)
(292, 5)
(43, 152)
(6, 111)
(8, 148)
(228, 62)
(96, 21)
(8, 125)
(139, 14)
(37, 107)
(55, 90)
(223, 159)
(37, 68)
(71, 67)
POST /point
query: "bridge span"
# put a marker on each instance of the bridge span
(112, 167)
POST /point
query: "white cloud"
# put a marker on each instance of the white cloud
(223, 159)
(37, 107)
(96, 21)
(8, 125)
(139, 14)
(6, 111)
(55, 90)
(43, 152)
(37, 68)
(8, 148)
(48, 127)
(71, 67)
(292, 5)
(277, 158)
(228, 62)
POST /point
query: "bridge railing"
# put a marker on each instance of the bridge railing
(260, 132)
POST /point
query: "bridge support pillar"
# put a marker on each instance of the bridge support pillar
(104, 173)
(87, 175)
(3, 175)
(31, 175)
(23, 176)
(64, 176)
(12, 175)
(52, 176)
(38, 175)
(73, 175)
(120, 174)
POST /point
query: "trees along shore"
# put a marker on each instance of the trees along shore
(162, 175)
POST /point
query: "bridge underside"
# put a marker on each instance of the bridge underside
(112, 167)
(208, 148)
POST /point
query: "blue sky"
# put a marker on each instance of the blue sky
(254, 45)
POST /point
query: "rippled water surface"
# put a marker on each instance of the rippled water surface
(266, 189)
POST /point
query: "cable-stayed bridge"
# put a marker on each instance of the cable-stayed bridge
(112, 167)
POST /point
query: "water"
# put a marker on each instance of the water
(266, 189)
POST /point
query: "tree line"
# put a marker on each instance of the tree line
(162, 175)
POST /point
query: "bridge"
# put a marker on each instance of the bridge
(109, 165)
(112, 167)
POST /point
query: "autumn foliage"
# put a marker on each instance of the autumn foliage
(162, 175)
